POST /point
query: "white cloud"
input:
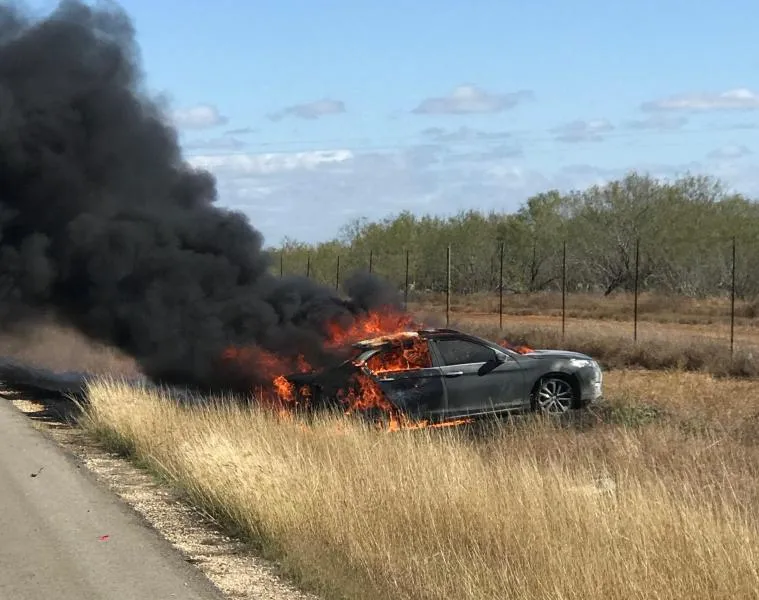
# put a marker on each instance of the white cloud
(658, 122)
(310, 195)
(241, 131)
(583, 131)
(462, 134)
(730, 152)
(736, 99)
(310, 110)
(246, 165)
(469, 99)
(498, 152)
(201, 116)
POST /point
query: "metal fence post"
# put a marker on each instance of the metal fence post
(405, 286)
(732, 305)
(500, 291)
(635, 307)
(563, 290)
(337, 274)
(448, 287)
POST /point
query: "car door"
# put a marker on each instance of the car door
(476, 379)
(416, 388)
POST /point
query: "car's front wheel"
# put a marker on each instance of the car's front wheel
(554, 396)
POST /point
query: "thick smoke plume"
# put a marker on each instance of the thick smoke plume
(104, 223)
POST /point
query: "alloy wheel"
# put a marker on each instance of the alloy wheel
(555, 396)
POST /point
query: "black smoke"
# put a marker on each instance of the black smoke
(103, 222)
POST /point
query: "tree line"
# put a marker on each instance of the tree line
(684, 230)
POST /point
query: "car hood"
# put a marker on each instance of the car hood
(556, 354)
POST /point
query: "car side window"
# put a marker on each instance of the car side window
(410, 355)
(462, 352)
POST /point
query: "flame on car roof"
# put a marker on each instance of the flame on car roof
(385, 339)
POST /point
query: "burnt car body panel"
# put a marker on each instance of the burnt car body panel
(464, 376)
(420, 393)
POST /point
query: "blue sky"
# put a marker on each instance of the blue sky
(314, 113)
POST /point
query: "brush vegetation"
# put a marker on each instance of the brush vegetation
(684, 229)
(656, 497)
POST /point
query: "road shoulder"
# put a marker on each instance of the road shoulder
(226, 562)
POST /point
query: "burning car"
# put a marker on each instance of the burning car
(445, 375)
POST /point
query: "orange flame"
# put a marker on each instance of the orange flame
(370, 396)
(411, 352)
(375, 324)
(521, 349)
(283, 388)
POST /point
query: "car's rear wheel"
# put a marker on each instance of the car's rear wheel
(554, 396)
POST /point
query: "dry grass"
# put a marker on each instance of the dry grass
(655, 307)
(614, 348)
(357, 513)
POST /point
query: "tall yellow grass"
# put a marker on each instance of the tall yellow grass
(532, 511)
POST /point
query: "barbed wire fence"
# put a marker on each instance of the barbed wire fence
(425, 277)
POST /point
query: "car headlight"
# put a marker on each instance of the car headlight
(580, 363)
(588, 363)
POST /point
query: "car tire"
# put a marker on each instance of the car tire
(554, 395)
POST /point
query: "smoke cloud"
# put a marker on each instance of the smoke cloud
(103, 222)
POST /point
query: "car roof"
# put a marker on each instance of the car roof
(404, 335)
(371, 346)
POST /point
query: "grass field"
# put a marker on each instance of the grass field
(658, 501)
(651, 495)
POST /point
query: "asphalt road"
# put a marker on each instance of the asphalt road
(62, 536)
